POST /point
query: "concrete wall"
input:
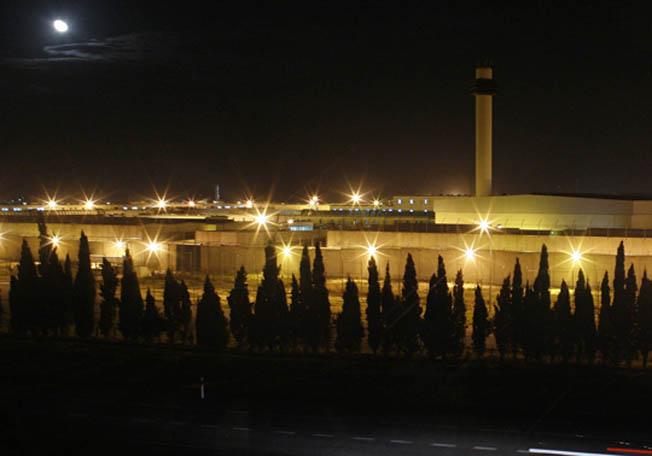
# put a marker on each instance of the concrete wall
(346, 254)
(535, 212)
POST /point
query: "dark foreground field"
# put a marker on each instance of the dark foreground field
(102, 398)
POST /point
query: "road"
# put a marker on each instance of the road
(158, 431)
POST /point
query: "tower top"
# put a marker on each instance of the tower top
(484, 74)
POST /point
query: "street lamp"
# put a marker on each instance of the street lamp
(89, 205)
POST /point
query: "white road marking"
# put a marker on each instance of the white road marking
(404, 442)
(243, 429)
(484, 448)
(364, 439)
(564, 452)
(285, 432)
(445, 445)
(328, 436)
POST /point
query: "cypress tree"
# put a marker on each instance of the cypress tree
(271, 318)
(45, 312)
(409, 321)
(439, 334)
(308, 326)
(84, 291)
(348, 323)
(532, 334)
(626, 317)
(459, 315)
(619, 307)
(109, 304)
(374, 319)
(320, 299)
(606, 329)
(24, 294)
(518, 310)
(14, 306)
(480, 323)
(388, 313)
(585, 319)
(68, 295)
(185, 315)
(56, 283)
(151, 320)
(644, 318)
(171, 305)
(543, 329)
(131, 301)
(502, 323)
(240, 307)
(564, 329)
(210, 323)
(297, 314)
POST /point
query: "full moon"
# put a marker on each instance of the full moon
(60, 26)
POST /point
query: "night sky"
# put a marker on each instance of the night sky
(284, 100)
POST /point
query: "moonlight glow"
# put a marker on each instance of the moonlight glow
(60, 26)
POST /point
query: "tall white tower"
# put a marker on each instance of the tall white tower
(484, 90)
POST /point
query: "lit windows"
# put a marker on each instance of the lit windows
(411, 201)
(400, 201)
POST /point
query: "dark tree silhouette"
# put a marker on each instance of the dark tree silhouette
(459, 315)
(210, 322)
(171, 305)
(308, 325)
(271, 318)
(410, 311)
(152, 322)
(533, 337)
(374, 319)
(481, 327)
(84, 291)
(297, 314)
(438, 331)
(240, 307)
(24, 294)
(625, 317)
(501, 321)
(518, 309)
(584, 319)
(68, 293)
(321, 302)
(619, 309)
(644, 318)
(542, 322)
(185, 315)
(55, 282)
(109, 303)
(49, 286)
(606, 327)
(389, 311)
(131, 301)
(348, 323)
(564, 329)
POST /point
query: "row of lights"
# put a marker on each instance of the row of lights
(150, 246)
